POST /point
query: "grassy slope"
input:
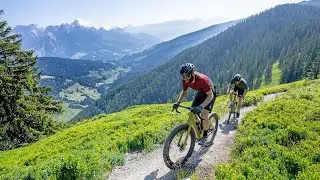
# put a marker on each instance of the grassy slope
(275, 76)
(91, 148)
(279, 140)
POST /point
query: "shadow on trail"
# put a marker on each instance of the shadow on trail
(232, 126)
(187, 169)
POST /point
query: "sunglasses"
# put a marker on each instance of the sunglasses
(186, 76)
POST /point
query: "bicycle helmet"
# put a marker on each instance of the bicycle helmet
(237, 77)
(187, 68)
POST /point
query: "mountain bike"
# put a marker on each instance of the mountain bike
(180, 143)
(233, 105)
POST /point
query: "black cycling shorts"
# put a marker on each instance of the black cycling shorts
(240, 91)
(199, 99)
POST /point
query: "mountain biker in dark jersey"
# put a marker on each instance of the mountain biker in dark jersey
(204, 99)
(241, 87)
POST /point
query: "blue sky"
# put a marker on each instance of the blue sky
(108, 13)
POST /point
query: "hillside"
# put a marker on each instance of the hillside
(279, 140)
(287, 34)
(80, 42)
(311, 3)
(79, 83)
(143, 62)
(92, 148)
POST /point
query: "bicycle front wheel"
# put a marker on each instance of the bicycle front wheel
(230, 113)
(233, 105)
(213, 127)
(178, 146)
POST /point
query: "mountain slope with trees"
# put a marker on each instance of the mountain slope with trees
(143, 62)
(93, 74)
(287, 34)
(311, 3)
(80, 82)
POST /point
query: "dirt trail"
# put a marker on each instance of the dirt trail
(150, 166)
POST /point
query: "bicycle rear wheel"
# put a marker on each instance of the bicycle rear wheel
(174, 153)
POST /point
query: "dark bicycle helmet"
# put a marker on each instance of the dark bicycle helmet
(237, 77)
(187, 68)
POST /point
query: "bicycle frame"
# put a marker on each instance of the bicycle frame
(235, 96)
(232, 106)
(234, 100)
(192, 125)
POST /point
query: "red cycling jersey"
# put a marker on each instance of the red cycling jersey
(201, 84)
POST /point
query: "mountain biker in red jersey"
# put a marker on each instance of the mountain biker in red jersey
(204, 99)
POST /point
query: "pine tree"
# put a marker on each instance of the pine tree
(313, 67)
(316, 66)
(25, 108)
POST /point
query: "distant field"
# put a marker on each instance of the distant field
(67, 114)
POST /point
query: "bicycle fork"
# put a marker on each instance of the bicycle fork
(182, 143)
(192, 125)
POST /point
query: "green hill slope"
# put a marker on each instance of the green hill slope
(90, 149)
(279, 140)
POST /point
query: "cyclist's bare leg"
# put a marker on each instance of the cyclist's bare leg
(231, 95)
(205, 124)
(205, 116)
(239, 103)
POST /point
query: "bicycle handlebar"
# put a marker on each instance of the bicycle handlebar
(189, 108)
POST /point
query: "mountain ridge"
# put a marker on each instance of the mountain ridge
(74, 40)
(169, 30)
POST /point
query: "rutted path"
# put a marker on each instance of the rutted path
(149, 166)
